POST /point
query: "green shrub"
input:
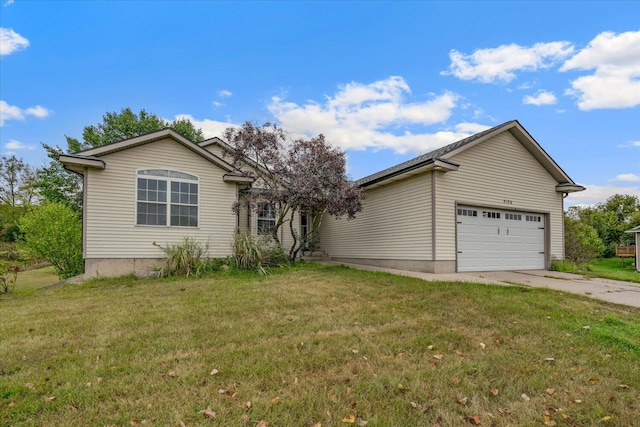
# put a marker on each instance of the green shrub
(53, 232)
(8, 278)
(188, 258)
(256, 252)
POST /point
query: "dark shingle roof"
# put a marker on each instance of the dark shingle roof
(426, 158)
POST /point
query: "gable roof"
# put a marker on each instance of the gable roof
(428, 161)
(91, 156)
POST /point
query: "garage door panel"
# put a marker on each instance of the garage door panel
(493, 239)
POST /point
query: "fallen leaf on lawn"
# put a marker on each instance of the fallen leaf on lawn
(463, 401)
(497, 340)
(586, 327)
(182, 424)
(578, 401)
(275, 401)
(482, 346)
(475, 420)
(263, 423)
(550, 391)
(504, 411)
(214, 372)
(549, 359)
(349, 420)
(525, 397)
(593, 380)
(438, 356)
(136, 421)
(354, 351)
(30, 386)
(607, 418)
(99, 379)
(172, 374)
(49, 399)
(400, 387)
(247, 405)
(208, 412)
(430, 347)
(550, 423)
(495, 391)
(414, 404)
(334, 399)
(317, 425)
(623, 386)
(88, 384)
(361, 422)
(456, 381)
(245, 418)
(227, 392)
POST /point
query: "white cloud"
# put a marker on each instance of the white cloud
(10, 41)
(217, 104)
(11, 112)
(8, 3)
(542, 97)
(17, 145)
(210, 128)
(501, 63)
(361, 116)
(225, 93)
(598, 193)
(630, 177)
(615, 82)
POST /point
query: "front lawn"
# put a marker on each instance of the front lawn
(607, 268)
(314, 345)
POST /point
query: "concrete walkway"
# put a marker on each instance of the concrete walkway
(626, 293)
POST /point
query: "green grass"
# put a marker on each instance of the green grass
(313, 344)
(607, 268)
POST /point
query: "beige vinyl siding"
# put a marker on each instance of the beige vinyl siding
(395, 224)
(498, 172)
(111, 230)
(217, 150)
(284, 234)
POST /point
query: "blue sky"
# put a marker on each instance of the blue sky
(385, 81)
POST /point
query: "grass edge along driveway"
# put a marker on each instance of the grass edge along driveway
(315, 344)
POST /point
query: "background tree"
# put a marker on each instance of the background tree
(610, 220)
(17, 191)
(296, 176)
(58, 185)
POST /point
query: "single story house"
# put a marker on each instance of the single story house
(492, 201)
(636, 231)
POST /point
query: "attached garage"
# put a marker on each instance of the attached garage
(492, 201)
(493, 239)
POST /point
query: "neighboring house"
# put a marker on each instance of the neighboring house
(493, 201)
(636, 231)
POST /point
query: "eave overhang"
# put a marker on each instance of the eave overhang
(78, 164)
(240, 179)
(568, 187)
(438, 165)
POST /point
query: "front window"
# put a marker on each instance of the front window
(266, 218)
(180, 209)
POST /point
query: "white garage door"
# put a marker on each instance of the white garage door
(492, 239)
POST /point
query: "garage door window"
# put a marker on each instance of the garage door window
(534, 218)
(490, 214)
(467, 212)
(513, 217)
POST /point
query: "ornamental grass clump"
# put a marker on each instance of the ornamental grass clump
(187, 258)
(256, 252)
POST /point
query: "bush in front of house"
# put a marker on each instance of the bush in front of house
(256, 252)
(186, 258)
(53, 232)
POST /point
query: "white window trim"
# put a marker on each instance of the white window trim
(262, 218)
(168, 203)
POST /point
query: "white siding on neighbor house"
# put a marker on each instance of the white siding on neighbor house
(395, 224)
(111, 230)
(497, 172)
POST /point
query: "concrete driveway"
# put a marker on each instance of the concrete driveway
(615, 291)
